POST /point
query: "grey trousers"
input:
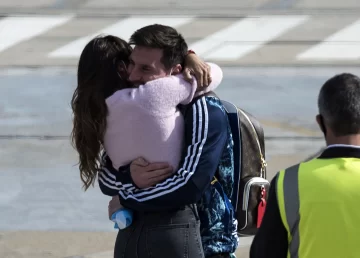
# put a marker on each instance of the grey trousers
(170, 234)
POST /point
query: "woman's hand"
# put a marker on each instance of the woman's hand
(114, 205)
(197, 67)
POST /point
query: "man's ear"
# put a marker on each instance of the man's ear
(320, 121)
(177, 69)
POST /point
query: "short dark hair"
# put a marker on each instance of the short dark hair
(164, 37)
(339, 104)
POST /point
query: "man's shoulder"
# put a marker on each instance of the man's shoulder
(215, 108)
(212, 103)
(208, 106)
(291, 169)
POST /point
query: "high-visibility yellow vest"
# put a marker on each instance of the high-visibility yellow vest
(319, 203)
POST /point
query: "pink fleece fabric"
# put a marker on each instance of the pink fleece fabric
(145, 122)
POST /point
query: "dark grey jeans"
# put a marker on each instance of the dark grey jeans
(174, 234)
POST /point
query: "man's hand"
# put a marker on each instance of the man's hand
(114, 205)
(197, 67)
(145, 174)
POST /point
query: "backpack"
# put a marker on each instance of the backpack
(250, 183)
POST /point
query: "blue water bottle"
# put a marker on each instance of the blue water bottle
(122, 218)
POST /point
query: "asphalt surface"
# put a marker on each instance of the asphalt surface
(41, 200)
(232, 33)
(282, 51)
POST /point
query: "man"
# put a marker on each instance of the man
(312, 208)
(159, 51)
(164, 57)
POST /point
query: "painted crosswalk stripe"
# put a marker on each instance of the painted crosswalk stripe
(14, 30)
(245, 36)
(343, 45)
(123, 29)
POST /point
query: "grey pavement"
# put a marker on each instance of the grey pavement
(36, 102)
(43, 210)
(44, 213)
(258, 40)
(231, 33)
(202, 7)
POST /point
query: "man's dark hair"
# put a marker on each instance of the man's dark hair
(339, 104)
(164, 37)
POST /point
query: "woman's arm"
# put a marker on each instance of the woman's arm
(161, 95)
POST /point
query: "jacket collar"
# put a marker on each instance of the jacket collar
(340, 151)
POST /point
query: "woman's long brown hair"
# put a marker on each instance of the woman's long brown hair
(97, 78)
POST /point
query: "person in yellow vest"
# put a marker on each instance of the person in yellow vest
(313, 208)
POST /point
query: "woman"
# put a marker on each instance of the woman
(129, 122)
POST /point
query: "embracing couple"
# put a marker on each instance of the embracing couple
(145, 126)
